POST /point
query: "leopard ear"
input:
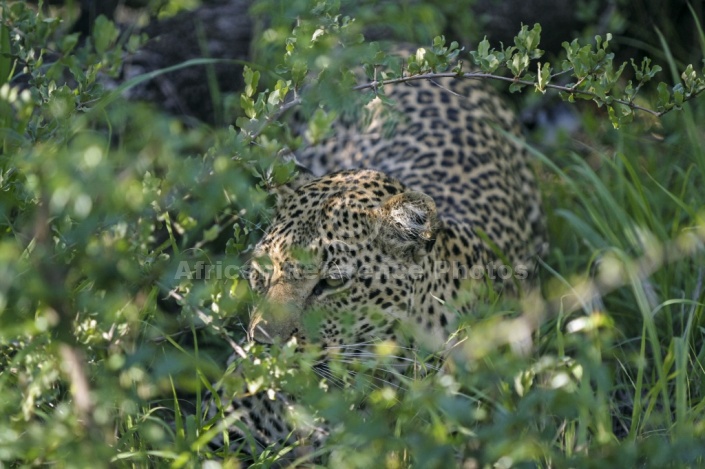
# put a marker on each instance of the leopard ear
(286, 162)
(408, 224)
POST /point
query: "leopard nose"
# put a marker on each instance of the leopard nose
(273, 322)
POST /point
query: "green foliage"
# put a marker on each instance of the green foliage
(101, 202)
(110, 323)
(596, 77)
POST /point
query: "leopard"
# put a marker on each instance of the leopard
(381, 233)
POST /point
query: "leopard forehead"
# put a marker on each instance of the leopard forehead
(334, 210)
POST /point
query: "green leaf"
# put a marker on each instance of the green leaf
(280, 91)
(620, 114)
(281, 173)
(678, 96)
(249, 126)
(515, 87)
(248, 106)
(482, 50)
(299, 71)
(211, 233)
(645, 72)
(319, 125)
(518, 63)
(664, 97)
(487, 59)
(105, 33)
(543, 76)
(527, 41)
(251, 81)
(689, 77)
(68, 43)
(369, 70)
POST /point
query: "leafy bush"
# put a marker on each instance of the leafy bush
(112, 330)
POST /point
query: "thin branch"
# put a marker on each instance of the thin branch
(481, 75)
(572, 90)
(75, 367)
(296, 100)
(53, 276)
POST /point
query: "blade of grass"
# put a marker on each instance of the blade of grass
(213, 87)
(698, 26)
(642, 301)
(5, 54)
(686, 116)
(680, 349)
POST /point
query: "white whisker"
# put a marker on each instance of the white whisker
(328, 375)
(361, 355)
(368, 344)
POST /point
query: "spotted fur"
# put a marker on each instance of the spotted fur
(385, 230)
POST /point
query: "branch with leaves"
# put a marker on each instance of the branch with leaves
(587, 72)
(593, 71)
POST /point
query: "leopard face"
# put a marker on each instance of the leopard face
(344, 260)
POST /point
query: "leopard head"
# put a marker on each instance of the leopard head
(342, 260)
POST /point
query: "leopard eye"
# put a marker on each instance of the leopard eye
(326, 284)
(334, 282)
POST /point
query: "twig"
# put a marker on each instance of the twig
(481, 75)
(295, 101)
(74, 363)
